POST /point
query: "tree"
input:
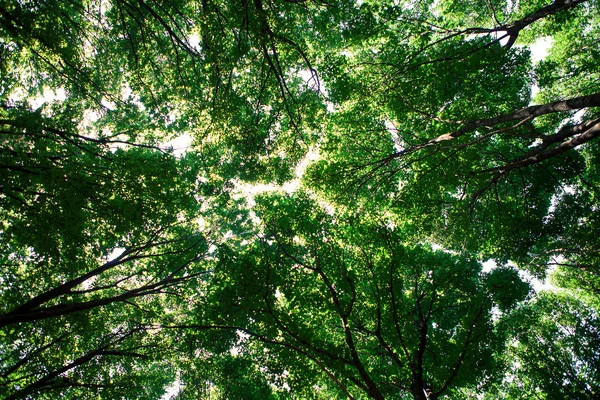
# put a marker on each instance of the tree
(421, 139)
(152, 70)
(467, 149)
(69, 202)
(372, 313)
(95, 239)
(83, 357)
(553, 354)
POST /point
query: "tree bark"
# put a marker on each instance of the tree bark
(516, 27)
(592, 133)
(526, 113)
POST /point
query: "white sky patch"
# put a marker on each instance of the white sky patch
(85, 285)
(495, 35)
(91, 116)
(125, 92)
(539, 49)
(311, 155)
(312, 80)
(115, 253)
(250, 190)
(434, 8)
(180, 144)
(194, 41)
(505, 37)
(536, 284)
(534, 90)
(389, 125)
(36, 102)
(578, 116)
(510, 5)
(108, 104)
(87, 123)
(496, 313)
(172, 390)
(488, 266)
(242, 337)
(89, 50)
(172, 117)
(47, 96)
(557, 197)
(291, 186)
(60, 94)
(410, 5)
(437, 246)
(201, 223)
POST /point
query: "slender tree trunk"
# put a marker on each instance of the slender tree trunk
(66, 287)
(592, 133)
(516, 27)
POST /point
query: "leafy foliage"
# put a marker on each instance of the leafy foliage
(415, 140)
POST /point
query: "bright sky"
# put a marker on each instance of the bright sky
(536, 284)
(539, 49)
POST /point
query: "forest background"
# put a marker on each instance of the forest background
(363, 199)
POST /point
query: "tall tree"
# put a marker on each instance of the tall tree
(554, 350)
(440, 141)
(87, 356)
(347, 297)
(449, 130)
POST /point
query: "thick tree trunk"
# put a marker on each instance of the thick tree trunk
(523, 114)
(63, 309)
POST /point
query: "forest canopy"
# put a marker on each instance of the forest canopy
(299, 199)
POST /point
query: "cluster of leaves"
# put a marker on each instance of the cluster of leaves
(130, 270)
(371, 311)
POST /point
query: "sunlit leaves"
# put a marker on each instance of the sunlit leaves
(151, 269)
(555, 348)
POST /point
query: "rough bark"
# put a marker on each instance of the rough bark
(523, 114)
